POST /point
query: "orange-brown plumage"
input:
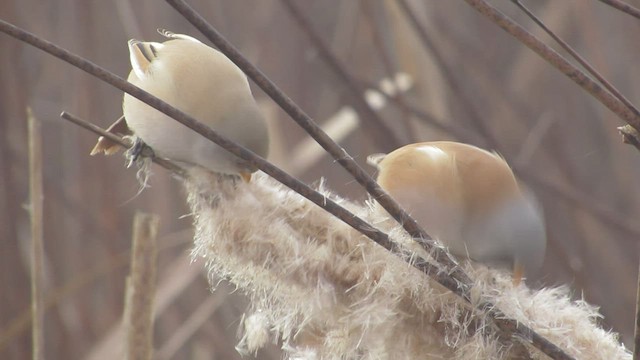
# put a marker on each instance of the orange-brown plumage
(469, 199)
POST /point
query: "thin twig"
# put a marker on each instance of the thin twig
(559, 62)
(141, 287)
(96, 129)
(578, 58)
(171, 166)
(624, 7)
(636, 330)
(276, 173)
(37, 246)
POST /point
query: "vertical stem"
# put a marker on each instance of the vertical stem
(636, 340)
(141, 286)
(37, 251)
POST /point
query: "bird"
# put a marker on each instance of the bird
(469, 200)
(205, 84)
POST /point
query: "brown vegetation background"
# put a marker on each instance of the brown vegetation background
(554, 130)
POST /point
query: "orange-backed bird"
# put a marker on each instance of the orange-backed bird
(468, 199)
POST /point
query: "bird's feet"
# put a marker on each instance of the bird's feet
(138, 151)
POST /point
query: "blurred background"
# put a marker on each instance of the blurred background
(467, 81)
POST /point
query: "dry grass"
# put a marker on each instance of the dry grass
(324, 291)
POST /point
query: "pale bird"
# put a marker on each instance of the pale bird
(468, 199)
(203, 83)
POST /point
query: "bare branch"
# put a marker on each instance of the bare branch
(120, 141)
(552, 57)
(141, 287)
(37, 246)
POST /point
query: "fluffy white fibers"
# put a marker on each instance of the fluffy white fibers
(324, 291)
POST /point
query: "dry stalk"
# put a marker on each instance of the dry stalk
(323, 291)
(141, 287)
(636, 330)
(21, 322)
(178, 275)
(37, 247)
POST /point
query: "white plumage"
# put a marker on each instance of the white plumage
(203, 83)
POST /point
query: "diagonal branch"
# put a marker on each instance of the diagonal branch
(625, 113)
(120, 141)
